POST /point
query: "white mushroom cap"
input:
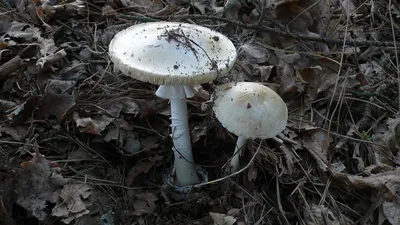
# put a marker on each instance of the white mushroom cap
(166, 53)
(250, 110)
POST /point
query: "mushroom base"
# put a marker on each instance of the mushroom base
(181, 193)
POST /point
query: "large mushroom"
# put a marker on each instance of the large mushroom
(249, 110)
(175, 56)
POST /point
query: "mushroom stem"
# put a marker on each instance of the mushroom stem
(240, 145)
(185, 168)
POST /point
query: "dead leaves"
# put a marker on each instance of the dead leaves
(144, 203)
(43, 11)
(49, 104)
(320, 215)
(110, 122)
(66, 79)
(386, 183)
(142, 166)
(94, 125)
(38, 184)
(222, 219)
(292, 14)
(391, 210)
(73, 202)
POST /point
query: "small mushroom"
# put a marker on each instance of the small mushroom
(175, 56)
(249, 110)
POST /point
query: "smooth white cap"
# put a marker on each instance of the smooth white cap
(250, 110)
(166, 53)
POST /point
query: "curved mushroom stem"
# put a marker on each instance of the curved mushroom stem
(240, 145)
(185, 168)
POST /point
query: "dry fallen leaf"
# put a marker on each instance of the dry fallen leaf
(94, 125)
(72, 203)
(37, 184)
(387, 183)
(128, 140)
(125, 105)
(222, 219)
(16, 132)
(321, 215)
(317, 141)
(263, 71)
(149, 142)
(6, 105)
(198, 132)
(142, 6)
(391, 210)
(52, 104)
(252, 173)
(289, 13)
(49, 104)
(144, 204)
(255, 53)
(141, 167)
(390, 134)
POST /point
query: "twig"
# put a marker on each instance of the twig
(11, 66)
(270, 30)
(138, 18)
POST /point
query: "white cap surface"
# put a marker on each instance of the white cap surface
(172, 53)
(250, 110)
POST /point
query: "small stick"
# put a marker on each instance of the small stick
(11, 66)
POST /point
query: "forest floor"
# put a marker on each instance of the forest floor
(81, 143)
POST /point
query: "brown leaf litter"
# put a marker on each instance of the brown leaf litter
(103, 138)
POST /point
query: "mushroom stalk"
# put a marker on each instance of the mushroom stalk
(185, 168)
(240, 145)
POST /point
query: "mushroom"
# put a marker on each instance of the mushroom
(249, 110)
(176, 56)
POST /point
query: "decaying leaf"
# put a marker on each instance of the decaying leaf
(321, 215)
(16, 132)
(389, 134)
(125, 105)
(43, 11)
(391, 210)
(149, 142)
(222, 219)
(37, 184)
(252, 173)
(143, 6)
(72, 203)
(94, 125)
(132, 106)
(317, 143)
(41, 107)
(141, 167)
(128, 140)
(314, 77)
(263, 71)
(291, 14)
(256, 53)
(144, 203)
(52, 104)
(6, 105)
(198, 132)
(386, 183)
